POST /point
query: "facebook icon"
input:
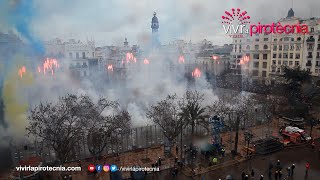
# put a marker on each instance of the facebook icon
(98, 168)
(113, 168)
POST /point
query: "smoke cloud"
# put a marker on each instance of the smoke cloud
(18, 14)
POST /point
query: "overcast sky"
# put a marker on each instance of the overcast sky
(109, 21)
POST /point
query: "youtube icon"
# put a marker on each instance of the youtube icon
(91, 168)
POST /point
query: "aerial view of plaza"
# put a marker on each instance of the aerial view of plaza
(159, 90)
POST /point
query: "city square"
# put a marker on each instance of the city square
(159, 90)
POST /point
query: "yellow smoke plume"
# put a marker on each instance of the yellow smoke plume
(14, 97)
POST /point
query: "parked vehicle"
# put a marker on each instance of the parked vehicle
(294, 134)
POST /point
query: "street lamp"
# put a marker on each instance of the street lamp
(248, 136)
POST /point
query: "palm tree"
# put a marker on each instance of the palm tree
(191, 110)
(193, 114)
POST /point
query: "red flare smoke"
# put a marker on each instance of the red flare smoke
(21, 71)
(181, 59)
(214, 57)
(110, 67)
(49, 65)
(146, 61)
(130, 57)
(196, 73)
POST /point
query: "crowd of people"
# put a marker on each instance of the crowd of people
(276, 172)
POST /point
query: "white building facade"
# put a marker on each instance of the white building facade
(271, 53)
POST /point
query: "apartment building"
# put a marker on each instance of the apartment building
(269, 54)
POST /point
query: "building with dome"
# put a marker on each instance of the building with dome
(155, 28)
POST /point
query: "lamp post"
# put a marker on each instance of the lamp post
(248, 136)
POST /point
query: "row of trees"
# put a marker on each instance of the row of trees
(174, 113)
(72, 120)
(65, 124)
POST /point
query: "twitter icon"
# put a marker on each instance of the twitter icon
(113, 168)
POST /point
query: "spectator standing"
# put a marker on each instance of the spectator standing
(307, 168)
(159, 161)
(280, 175)
(276, 175)
(246, 177)
(292, 169)
(243, 175)
(223, 152)
(252, 173)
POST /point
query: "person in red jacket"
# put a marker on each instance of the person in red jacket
(307, 168)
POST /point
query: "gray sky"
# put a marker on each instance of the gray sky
(109, 21)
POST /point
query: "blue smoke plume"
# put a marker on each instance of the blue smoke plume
(20, 14)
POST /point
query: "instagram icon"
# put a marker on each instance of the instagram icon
(106, 168)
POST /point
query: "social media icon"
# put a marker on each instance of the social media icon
(106, 168)
(99, 168)
(113, 168)
(91, 168)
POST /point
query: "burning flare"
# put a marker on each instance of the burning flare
(146, 61)
(196, 73)
(21, 71)
(244, 59)
(130, 57)
(214, 57)
(181, 59)
(49, 65)
(110, 67)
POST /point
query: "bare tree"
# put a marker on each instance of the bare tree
(57, 125)
(167, 114)
(107, 131)
(64, 124)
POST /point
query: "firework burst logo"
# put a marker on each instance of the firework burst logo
(236, 15)
(234, 22)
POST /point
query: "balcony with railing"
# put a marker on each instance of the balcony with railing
(308, 64)
(310, 40)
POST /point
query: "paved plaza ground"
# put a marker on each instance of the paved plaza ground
(299, 156)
